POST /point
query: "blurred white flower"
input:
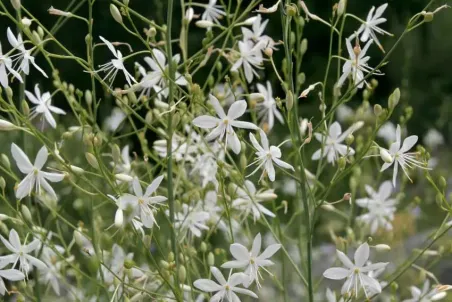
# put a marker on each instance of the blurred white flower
(267, 110)
(250, 58)
(331, 296)
(115, 65)
(248, 201)
(370, 27)
(428, 294)
(344, 113)
(433, 138)
(206, 167)
(115, 119)
(251, 260)
(355, 273)
(5, 68)
(225, 290)
(398, 155)
(24, 58)
(21, 253)
(192, 219)
(43, 105)
(143, 204)
(387, 132)
(225, 123)
(356, 65)
(8, 274)
(213, 12)
(333, 147)
(35, 177)
(381, 207)
(225, 94)
(257, 33)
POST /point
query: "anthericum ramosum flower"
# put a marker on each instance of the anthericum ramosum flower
(117, 64)
(225, 290)
(356, 66)
(213, 12)
(266, 156)
(43, 105)
(250, 58)
(381, 207)
(428, 294)
(251, 260)
(24, 58)
(333, 147)
(223, 124)
(8, 274)
(248, 201)
(370, 27)
(35, 177)
(267, 110)
(257, 33)
(192, 219)
(5, 68)
(21, 253)
(143, 204)
(398, 155)
(356, 273)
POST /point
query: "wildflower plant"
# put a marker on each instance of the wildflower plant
(194, 175)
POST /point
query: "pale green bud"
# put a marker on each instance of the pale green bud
(115, 13)
(210, 259)
(2, 183)
(203, 247)
(26, 213)
(92, 161)
(304, 46)
(394, 99)
(116, 153)
(5, 161)
(442, 183)
(289, 100)
(15, 4)
(182, 274)
(88, 97)
(378, 110)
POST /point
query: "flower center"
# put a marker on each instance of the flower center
(356, 270)
(35, 171)
(225, 121)
(140, 201)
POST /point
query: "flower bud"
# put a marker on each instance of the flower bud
(256, 97)
(204, 24)
(5, 161)
(26, 22)
(289, 100)
(378, 110)
(116, 153)
(328, 207)
(394, 99)
(182, 273)
(382, 247)
(442, 183)
(123, 177)
(268, 52)
(119, 218)
(349, 139)
(92, 161)
(170, 256)
(57, 12)
(164, 264)
(243, 161)
(291, 10)
(341, 7)
(88, 97)
(15, 4)
(77, 170)
(189, 14)
(203, 247)
(428, 16)
(6, 126)
(304, 46)
(115, 13)
(341, 162)
(387, 158)
(249, 21)
(210, 259)
(2, 183)
(26, 213)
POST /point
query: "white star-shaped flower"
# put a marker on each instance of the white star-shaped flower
(35, 177)
(381, 207)
(24, 56)
(428, 294)
(398, 155)
(21, 253)
(43, 105)
(8, 274)
(225, 289)
(251, 260)
(223, 125)
(192, 219)
(213, 12)
(333, 142)
(267, 155)
(267, 110)
(356, 273)
(143, 204)
(115, 65)
(250, 58)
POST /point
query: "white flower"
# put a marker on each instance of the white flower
(213, 12)
(206, 166)
(387, 132)
(399, 155)
(211, 206)
(356, 272)
(333, 147)
(356, 65)
(428, 294)
(223, 125)
(248, 201)
(115, 65)
(115, 119)
(381, 207)
(8, 274)
(225, 289)
(24, 55)
(43, 105)
(331, 296)
(5, 68)
(433, 138)
(143, 204)
(267, 155)
(257, 33)
(225, 94)
(250, 58)
(21, 253)
(52, 273)
(370, 27)
(251, 260)
(35, 177)
(267, 110)
(156, 78)
(344, 113)
(192, 219)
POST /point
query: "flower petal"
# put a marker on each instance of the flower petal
(216, 105)
(362, 254)
(207, 285)
(206, 121)
(153, 186)
(336, 273)
(22, 161)
(239, 252)
(237, 109)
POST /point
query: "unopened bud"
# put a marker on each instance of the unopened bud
(92, 161)
(119, 218)
(189, 14)
(2, 183)
(304, 46)
(289, 100)
(382, 247)
(116, 153)
(256, 97)
(204, 24)
(6, 126)
(349, 139)
(5, 161)
(182, 274)
(123, 177)
(57, 12)
(210, 259)
(268, 52)
(203, 247)
(341, 7)
(88, 97)
(115, 13)
(341, 162)
(26, 213)
(328, 207)
(394, 99)
(387, 158)
(378, 110)
(15, 4)
(77, 170)
(250, 21)
(428, 16)
(26, 22)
